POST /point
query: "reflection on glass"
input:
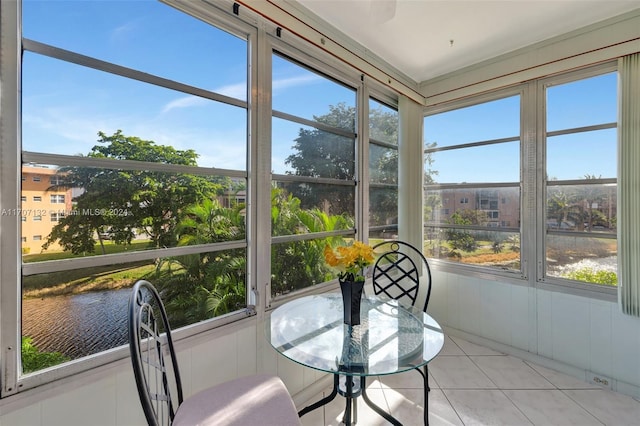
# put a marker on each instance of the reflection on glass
(131, 33)
(483, 248)
(586, 259)
(65, 106)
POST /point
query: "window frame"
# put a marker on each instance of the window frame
(12, 45)
(514, 276)
(543, 280)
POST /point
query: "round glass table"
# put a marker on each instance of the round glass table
(391, 338)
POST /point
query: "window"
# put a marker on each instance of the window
(23, 198)
(462, 189)
(184, 141)
(57, 199)
(581, 194)
(56, 216)
(23, 239)
(37, 198)
(314, 171)
(383, 171)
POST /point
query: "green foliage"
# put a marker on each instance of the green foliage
(122, 202)
(591, 275)
(462, 240)
(33, 359)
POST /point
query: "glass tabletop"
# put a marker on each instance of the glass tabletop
(391, 337)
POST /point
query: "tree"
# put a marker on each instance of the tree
(122, 202)
(462, 240)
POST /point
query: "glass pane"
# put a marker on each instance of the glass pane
(487, 121)
(303, 208)
(297, 265)
(488, 163)
(144, 35)
(584, 102)
(587, 259)
(383, 165)
(582, 208)
(65, 106)
(307, 151)
(304, 93)
(591, 153)
(383, 122)
(383, 208)
(93, 211)
(489, 207)
(483, 248)
(84, 311)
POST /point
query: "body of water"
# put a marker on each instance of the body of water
(77, 325)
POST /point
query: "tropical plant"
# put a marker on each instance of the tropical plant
(33, 359)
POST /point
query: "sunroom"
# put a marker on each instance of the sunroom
(216, 147)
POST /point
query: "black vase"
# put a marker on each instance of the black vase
(351, 298)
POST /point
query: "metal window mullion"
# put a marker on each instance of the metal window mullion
(312, 236)
(121, 258)
(315, 124)
(582, 129)
(110, 163)
(472, 144)
(311, 179)
(480, 185)
(100, 65)
(603, 181)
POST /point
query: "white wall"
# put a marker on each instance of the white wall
(580, 336)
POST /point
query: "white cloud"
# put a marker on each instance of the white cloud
(184, 102)
(286, 83)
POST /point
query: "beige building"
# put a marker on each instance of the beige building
(40, 208)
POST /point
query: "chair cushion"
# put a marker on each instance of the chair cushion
(247, 401)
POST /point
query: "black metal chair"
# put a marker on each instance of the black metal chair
(250, 400)
(400, 272)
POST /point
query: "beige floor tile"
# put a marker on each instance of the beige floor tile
(508, 372)
(450, 348)
(458, 372)
(550, 407)
(485, 407)
(407, 380)
(562, 380)
(610, 408)
(406, 405)
(473, 349)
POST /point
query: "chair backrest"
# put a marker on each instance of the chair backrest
(400, 271)
(149, 332)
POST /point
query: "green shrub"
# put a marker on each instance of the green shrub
(592, 276)
(33, 359)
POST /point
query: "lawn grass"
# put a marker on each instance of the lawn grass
(97, 278)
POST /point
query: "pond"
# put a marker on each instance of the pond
(77, 325)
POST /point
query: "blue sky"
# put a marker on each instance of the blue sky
(65, 105)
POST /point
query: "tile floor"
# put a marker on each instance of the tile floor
(474, 385)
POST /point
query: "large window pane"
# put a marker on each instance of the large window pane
(481, 122)
(95, 205)
(64, 106)
(133, 33)
(487, 163)
(581, 167)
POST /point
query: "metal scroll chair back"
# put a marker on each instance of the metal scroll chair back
(400, 271)
(147, 320)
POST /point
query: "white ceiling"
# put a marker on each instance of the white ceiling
(426, 38)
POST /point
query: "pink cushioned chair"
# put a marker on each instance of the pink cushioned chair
(252, 400)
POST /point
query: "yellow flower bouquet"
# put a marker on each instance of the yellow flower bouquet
(350, 260)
